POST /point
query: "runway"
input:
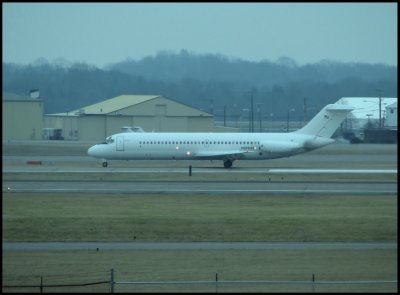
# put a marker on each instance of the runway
(340, 169)
(197, 246)
(186, 186)
(185, 170)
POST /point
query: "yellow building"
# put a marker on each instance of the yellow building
(22, 117)
(151, 112)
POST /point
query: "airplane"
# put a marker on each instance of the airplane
(227, 147)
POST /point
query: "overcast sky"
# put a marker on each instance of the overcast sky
(104, 33)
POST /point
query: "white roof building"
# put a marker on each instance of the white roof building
(367, 108)
(391, 116)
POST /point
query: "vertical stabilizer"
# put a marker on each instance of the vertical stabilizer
(325, 123)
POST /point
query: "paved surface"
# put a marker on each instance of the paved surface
(204, 187)
(185, 170)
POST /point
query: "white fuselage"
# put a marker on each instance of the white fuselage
(224, 146)
(249, 146)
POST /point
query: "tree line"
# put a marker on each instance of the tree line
(213, 83)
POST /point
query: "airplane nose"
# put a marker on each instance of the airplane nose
(92, 151)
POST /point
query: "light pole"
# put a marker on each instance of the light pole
(252, 112)
(212, 106)
(247, 110)
(259, 114)
(236, 115)
(380, 107)
(288, 114)
(305, 110)
(224, 115)
(271, 115)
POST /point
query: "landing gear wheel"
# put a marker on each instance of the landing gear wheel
(228, 164)
(105, 164)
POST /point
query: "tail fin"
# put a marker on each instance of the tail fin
(325, 123)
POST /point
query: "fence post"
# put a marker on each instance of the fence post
(41, 284)
(313, 285)
(112, 281)
(190, 170)
(216, 282)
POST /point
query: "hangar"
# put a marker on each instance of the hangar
(367, 110)
(391, 116)
(153, 113)
(22, 116)
(374, 119)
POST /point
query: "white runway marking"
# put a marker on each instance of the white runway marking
(333, 171)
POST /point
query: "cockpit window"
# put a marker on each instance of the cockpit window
(109, 140)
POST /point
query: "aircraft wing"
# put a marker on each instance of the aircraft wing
(233, 155)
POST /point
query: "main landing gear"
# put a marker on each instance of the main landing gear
(228, 163)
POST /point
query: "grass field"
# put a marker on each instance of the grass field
(72, 267)
(102, 217)
(153, 218)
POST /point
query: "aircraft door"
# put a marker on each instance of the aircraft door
(120, 143)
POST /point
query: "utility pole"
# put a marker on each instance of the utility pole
(380, 107)
(287, 121)
(224, 115)
(305, 110)
(259, 114)
(252, 112)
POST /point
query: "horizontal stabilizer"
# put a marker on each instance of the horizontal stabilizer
(339, 108)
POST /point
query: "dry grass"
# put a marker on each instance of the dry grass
(25, 267)
(85, 217)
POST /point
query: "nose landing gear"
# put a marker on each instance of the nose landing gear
(228, 163)
(105, 164)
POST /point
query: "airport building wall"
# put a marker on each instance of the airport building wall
(199, 124)
(161, 106)
(22, 118)
(68, 124)
(151, 113)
